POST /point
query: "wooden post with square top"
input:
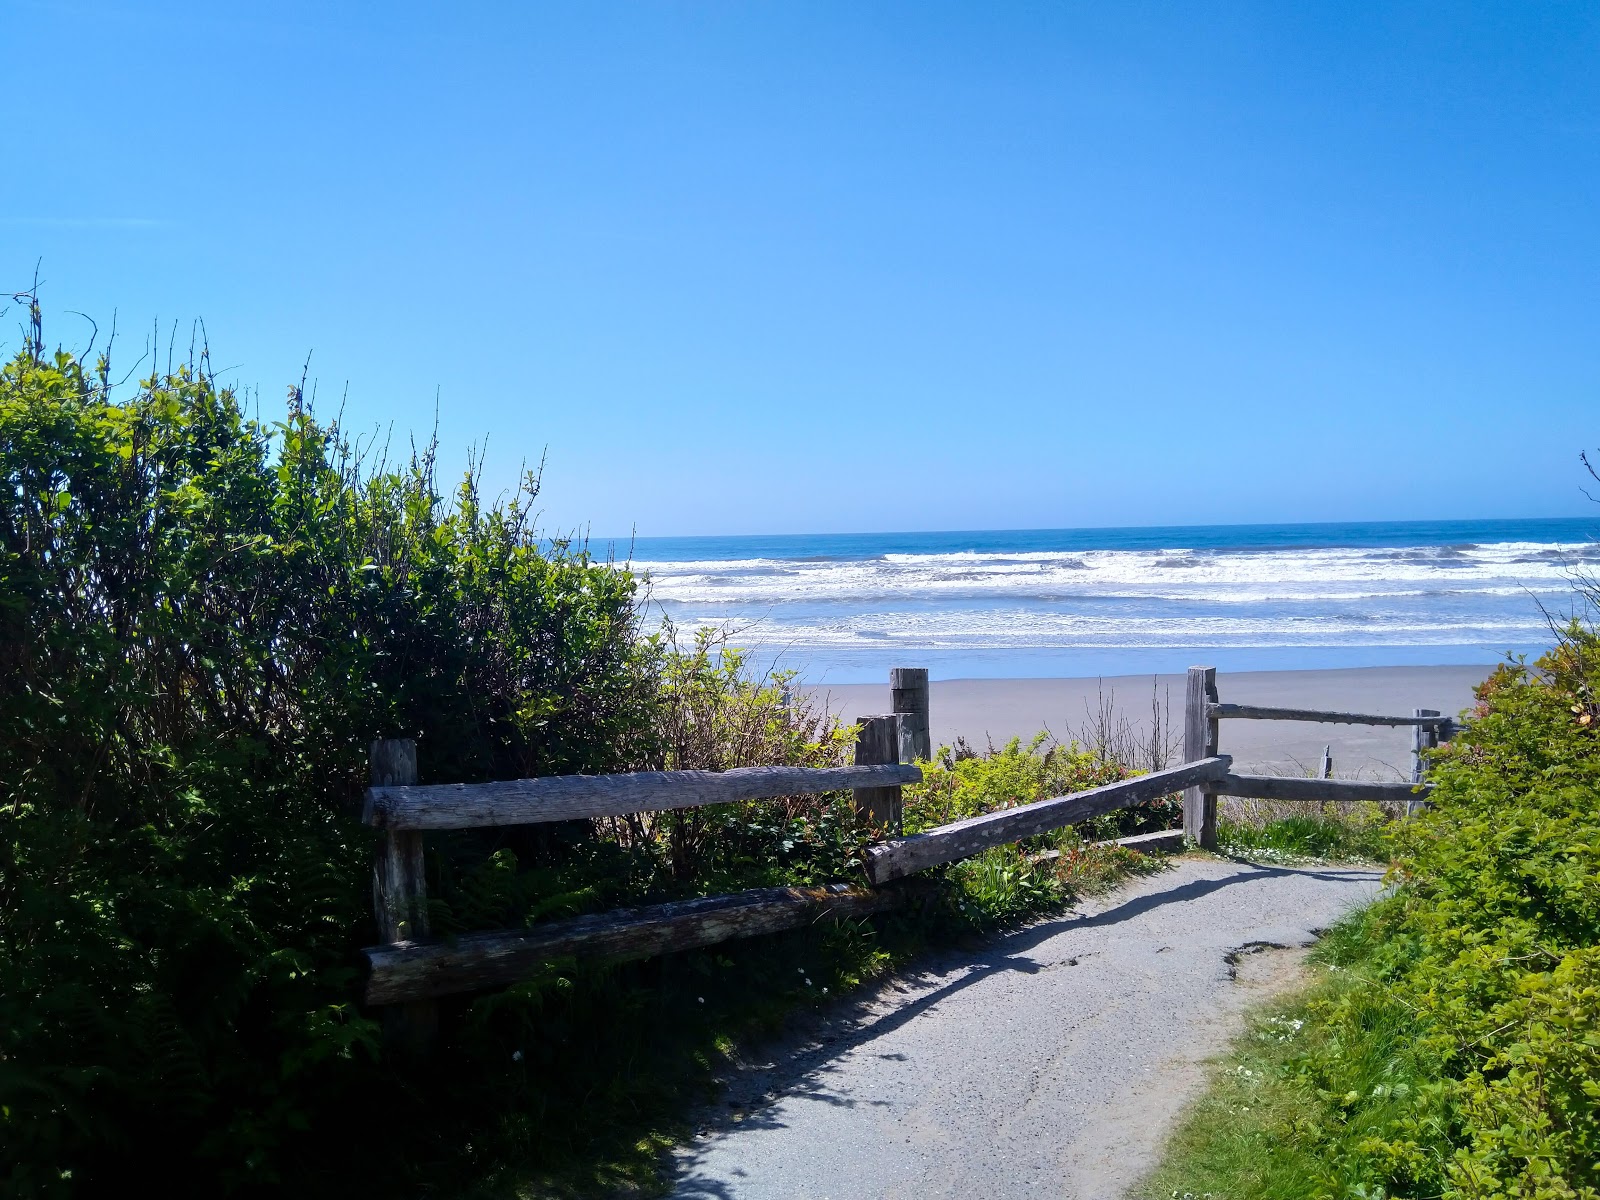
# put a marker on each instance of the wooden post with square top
(1200, 741)
(908, 691)
(878, 741)
(1423, 739)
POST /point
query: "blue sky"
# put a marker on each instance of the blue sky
(770, 267)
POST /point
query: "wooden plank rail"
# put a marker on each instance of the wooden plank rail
(1288, 787)
(407, 971)
(571, 797)
(1258, 712)
(411, 971)
(905, 856)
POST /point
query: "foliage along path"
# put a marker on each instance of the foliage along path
(1050, 1062)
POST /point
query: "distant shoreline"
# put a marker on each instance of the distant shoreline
(982, 710)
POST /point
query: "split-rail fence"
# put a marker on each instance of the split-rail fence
(411, 970)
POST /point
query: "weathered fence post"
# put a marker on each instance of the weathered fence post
(878, 741)
(908, 689)
(1200, 741)
(1423, 739)
(1325, 771)
(400, 889)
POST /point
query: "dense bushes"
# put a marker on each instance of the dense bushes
(202, 622)
(1495, 945)
(1454, 1049)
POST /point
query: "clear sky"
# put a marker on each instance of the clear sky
(764, 267)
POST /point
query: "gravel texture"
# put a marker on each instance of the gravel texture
(1046, 1062)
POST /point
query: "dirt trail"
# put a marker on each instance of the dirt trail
(1049, 1063)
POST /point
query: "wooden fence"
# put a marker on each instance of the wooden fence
(411, 970)
(1203, 712)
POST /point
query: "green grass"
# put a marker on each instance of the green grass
(1331, 838)
(1293, 1106)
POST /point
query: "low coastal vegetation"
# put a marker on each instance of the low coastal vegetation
(1354, 832)
(204, 618)
(1451, 1043)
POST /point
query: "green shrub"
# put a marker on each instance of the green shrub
(960, 784)
(1014, 882)
(203, 619)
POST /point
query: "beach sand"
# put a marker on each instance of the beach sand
(984, 710)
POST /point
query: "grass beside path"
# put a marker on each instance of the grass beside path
(1276, 1123)
(1327, 837)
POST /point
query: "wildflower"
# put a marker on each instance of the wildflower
(516, 1056)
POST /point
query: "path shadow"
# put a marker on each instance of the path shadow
(801, 1072)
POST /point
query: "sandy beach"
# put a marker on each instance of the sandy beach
(983, 710)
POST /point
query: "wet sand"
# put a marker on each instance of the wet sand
(984, 710)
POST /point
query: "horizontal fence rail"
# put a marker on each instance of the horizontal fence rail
(573, 797)
(404, 971)
(412, 970)
(1260, 712)
(1326, 791)
(948, 843)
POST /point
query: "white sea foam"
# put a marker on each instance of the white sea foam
(1233, 576)
(1021, 628)
(1484, 595)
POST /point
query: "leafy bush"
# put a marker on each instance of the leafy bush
(1014, 882)
(713, 712)
(203, 619)
(960, 784)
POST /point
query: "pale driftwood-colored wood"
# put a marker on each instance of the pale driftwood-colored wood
(400, 890)
(877, 743)
(399, 886)
(1257, 712)
(908, 691)
(1326, 791)
(905, 856)
(1164, 841)
(1200, 742)
(1423, 739)
(476, 961)
(572, 797)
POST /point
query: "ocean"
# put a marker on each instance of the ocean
(843, 608)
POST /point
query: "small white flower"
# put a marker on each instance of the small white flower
(516, 1056)
(702, 999)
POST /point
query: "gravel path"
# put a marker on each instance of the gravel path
(1049, 1062)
